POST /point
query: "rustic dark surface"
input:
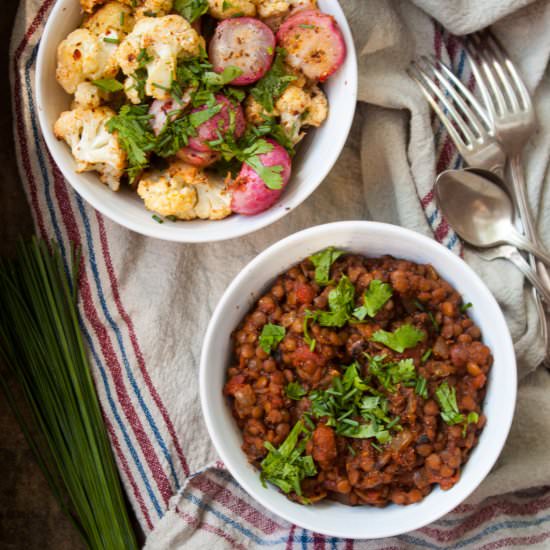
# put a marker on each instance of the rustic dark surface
(29, 517)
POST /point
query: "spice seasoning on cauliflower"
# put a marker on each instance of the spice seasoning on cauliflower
(185, 192)
(196, 134)
(165, 40)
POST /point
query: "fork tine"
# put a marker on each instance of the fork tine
(461, 95)
(498, 61)
(480, 78)
(414, 72)
(499, 52)
(497, 103)
(468, 136)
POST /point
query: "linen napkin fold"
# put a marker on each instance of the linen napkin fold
(146, 303)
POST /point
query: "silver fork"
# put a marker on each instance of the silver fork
(513, 118)
(473, 133)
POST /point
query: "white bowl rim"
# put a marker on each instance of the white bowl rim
(190, 236)
(505, 420)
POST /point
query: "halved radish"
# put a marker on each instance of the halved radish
(218, 124)
(250, 193)
(198, 158)
(160, 109)
(313, 42)
(245, 43)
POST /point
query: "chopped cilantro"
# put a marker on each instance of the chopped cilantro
(111, 40)
(270, 337)
(406, 336)
(270, 175)
(108, 84)
(226, 5)
(472, 418)
(446, 397)
(200, 117)
(191, 9)
(122, 18)
(158, 219)
(271, 86)
(217, 80)
(288, 465)
(426, 355)
(305, 26)
(389, 374)
(134, 135)
(295, 391)
(421, 387)
(353, 408)
(323, 261)
(340, 302)
(311, 342)
(466, 307)
(376, 295)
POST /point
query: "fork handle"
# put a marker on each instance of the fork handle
(530, 274)
(519, 187)
(517, 239)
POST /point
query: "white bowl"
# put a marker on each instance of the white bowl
(316, 156)
(370, 239)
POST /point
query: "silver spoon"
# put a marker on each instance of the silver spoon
(480, 211)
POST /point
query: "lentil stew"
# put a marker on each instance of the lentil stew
(360, 380)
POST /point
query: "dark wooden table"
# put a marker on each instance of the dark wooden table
(29, 516)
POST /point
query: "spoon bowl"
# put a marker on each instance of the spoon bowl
(480, 211)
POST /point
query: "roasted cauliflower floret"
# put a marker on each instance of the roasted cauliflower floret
(158, 42)
(184, 191)
(112, 18)
(298, 107)
(223, 9)
(157, 8)
(272, 8)
(92, 145)
(87, 96)
(254, 111)
(84, 56)
(89, 5)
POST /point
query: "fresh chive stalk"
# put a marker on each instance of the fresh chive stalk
(42, 348)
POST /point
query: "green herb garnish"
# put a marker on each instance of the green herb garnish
(392, 373)
(466, 307)
(287, 466)
(270, 337)
(191, 9)
(376, 295)
(158, 219)
(426, 355)
(406, 336)
(270, 175)
(272, 85)
(446, 397)
(108, 84)
(134, 135)
(323, 261)
(110, 40)
(340, 302)
(421, 387)
(295, 391)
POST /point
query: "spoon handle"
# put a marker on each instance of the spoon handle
(525, 244)
(531, 275)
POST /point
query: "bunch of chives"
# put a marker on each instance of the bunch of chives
(41, 346)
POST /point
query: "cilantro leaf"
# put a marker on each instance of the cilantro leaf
(270, 175)
(287, 466)
(376, 295)
(406, 336)
(191, 9)
(446, 397)
(322, 261)
(311, 342)
(108, 84)
(466, 307)
(340, 302)
(200, 117)
(271, 86)
(217, 80)
(270, 336)
(174, 136)
(295, 391)
(134, 135)
(389, 374)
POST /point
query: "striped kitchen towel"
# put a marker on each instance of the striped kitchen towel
(145, 303)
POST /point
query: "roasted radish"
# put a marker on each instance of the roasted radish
(218, 124)
(313, 42)
(198, 158)
(245, 43)
(161, 110)
(251, 194)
